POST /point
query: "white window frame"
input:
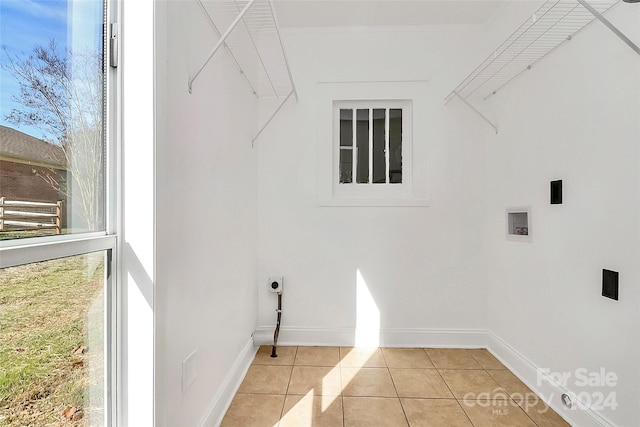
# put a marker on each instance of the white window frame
(414, 190)
(16, 252)
(369, 189)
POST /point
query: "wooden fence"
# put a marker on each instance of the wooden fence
(20, 215)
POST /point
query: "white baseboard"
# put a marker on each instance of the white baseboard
(452, 338)
(227, 391)
(546, 389)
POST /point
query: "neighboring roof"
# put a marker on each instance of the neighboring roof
(25, 148)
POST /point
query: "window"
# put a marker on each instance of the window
(52, 142)
(372, 140)
(57, 216)
(52, 346)
(370, 150)
(371, 145)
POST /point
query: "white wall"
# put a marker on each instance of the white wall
(575, 116)
(443, 267)
(136, 247)
(206, 216)
(424, 266)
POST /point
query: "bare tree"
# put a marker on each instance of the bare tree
(61, 93)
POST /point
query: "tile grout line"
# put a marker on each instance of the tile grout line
(286, 393)
(429, 357)
(518, 405)
(339, 365)
(450, 391)
(394, 386)
(506, 391)
(320, 365)
(525, 412)
(449, 388)
(511, 398)
(509, 394)
(504, 388)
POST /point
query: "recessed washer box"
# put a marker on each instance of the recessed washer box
(518, 222)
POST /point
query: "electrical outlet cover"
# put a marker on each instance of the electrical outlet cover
(556, 192)
(610, 284)
(275, 284)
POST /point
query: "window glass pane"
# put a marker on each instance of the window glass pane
(379, 161)
(346, 166)
(395, 146)
(51, 117)
(346, 140)
(52, 335)
(346, 128)
(362, 141)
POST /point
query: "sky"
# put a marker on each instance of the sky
(27, 23)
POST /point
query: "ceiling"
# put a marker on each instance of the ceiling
(368, 13)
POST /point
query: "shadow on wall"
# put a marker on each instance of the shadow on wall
(134, 269)
(137, 338)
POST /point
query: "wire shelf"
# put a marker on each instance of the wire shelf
(254, 43)
(555, 22)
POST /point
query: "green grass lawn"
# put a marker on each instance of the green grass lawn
(47, 356)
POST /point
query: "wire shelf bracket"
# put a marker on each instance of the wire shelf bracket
(553, 23)
(220, 42)
(252, 40)
(219, 34)
(610, 26)
(277, 110)
(475, 110)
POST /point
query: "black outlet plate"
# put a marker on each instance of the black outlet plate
(610, 284)
(556, 192)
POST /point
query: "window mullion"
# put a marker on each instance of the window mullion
(38, 252)
(370, 181)
(386, 145)
(354, 148)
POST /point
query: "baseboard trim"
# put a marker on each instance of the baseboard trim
(224, 396)
(452, 338)
(546, 389)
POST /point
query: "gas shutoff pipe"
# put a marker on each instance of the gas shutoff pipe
(275, 334)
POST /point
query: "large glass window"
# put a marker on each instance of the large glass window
(57, 311)
(52, 342)
(52, 139)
